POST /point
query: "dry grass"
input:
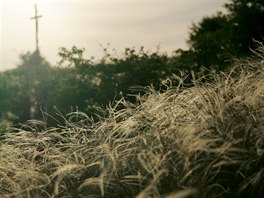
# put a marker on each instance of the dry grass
(205, 141)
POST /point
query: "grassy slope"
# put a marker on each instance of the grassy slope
(205, 141)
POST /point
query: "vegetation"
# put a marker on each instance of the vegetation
(217, 39)
(144, 124)
(204, 141)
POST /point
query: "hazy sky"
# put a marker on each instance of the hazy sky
(89, 24)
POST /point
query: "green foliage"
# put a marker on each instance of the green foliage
(246, 18)
(113, 76)
(25, 90)
(211, 42)
(217, 39)
(79, 84)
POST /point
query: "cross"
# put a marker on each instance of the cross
(36, 17)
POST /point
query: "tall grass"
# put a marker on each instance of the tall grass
(205, 141)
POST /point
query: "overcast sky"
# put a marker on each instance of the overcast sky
(89, 24)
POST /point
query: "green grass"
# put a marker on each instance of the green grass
(204, 141)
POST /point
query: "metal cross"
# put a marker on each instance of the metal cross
(36, 17)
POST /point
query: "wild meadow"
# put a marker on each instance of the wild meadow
(203, 141)
(192, 127)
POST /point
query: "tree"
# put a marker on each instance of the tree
(113, 77)
(217, 39)
(246, 18)
(9, 87)
(34, 73)
(24, 91)
(210, 42)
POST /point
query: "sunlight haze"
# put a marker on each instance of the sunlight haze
(92, 24)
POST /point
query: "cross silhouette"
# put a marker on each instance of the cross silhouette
(36, 17)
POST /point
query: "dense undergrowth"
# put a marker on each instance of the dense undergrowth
(204, 141)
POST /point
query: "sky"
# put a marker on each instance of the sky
(95, 24)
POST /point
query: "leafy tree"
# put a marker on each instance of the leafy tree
(217, 39)
(141, 68)
(114, 76)
(68, 91)
(246, 18)
(210, 42)
(79, 80)
(9, 87)
(24, 91)
(34, 77)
